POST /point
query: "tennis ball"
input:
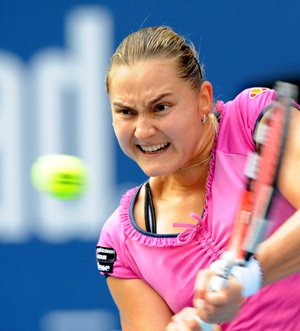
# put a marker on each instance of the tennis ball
(60, 176)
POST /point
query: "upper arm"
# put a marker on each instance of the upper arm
(289, 177)
(141, 307)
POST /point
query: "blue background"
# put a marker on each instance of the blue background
(241, 43)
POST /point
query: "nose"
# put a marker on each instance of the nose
(144, 128)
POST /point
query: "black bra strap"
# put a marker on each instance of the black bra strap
(150, 219)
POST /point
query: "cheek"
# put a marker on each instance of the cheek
(123, 136)
(187, 126)
(121, 128)
(189, 136)
(120, 135)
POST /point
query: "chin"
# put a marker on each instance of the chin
(157, 171)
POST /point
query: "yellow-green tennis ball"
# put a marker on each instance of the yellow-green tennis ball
(61, 176)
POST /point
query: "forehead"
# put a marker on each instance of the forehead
(144, 76)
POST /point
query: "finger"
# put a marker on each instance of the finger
(217, 314)
(201, 283)
(218, 298)
(175, 327)
(230, 294)
(195, 326)
(198, 323)
(186, 320)
(215, 307)
(176, 324)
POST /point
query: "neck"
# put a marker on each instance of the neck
(197, 164)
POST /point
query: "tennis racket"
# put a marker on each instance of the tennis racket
(262, 171)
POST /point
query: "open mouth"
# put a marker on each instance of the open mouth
(154, 149)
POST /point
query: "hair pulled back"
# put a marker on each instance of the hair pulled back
(159, 42)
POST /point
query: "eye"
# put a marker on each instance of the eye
(124, 111)
(162, 107)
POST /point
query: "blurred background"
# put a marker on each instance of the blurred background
(53, 60)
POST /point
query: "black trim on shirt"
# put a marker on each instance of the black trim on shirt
(260, 116)
(150, 218)
(137, 228)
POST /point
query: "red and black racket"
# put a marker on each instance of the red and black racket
(264, 175)
(262, 171)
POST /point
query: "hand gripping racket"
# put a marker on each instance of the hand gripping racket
(262, 171)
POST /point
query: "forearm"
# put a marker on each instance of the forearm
(279, 254)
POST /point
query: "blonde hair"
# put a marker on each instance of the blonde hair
(155, 42)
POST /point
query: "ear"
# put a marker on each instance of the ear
(206, 97)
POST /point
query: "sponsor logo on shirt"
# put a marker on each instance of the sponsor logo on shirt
(257, 91)
(106, 256)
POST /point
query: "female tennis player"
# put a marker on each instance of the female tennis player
(157, 246)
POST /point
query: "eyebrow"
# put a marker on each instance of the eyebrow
(151, 102)
(159, 97)
(120, 105)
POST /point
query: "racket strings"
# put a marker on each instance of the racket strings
(262, 169)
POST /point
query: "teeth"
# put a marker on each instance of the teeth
(153, 148)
